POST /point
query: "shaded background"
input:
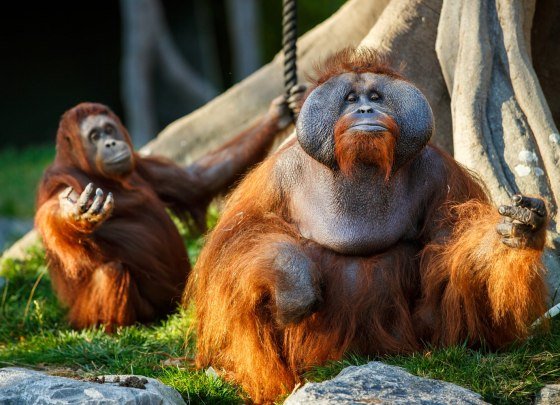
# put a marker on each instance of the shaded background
(55, 55)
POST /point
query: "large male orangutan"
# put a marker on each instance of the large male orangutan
(115, 256)
(360, 236)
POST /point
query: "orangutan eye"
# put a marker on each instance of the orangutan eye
(94, 135)
(374, 96)
(109, 129)
(351, 98)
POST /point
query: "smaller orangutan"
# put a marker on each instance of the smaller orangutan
(361, 236)
(115, 256)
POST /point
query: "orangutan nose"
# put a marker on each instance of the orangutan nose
(110, 144)
(365, 109)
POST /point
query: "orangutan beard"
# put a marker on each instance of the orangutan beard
(353, 149)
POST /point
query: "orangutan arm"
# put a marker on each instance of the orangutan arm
(483, 282)
(193, 188)
(219, 169)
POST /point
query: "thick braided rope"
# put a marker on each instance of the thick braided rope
(289, 44)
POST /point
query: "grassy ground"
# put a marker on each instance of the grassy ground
(510, 377)
(33, 331)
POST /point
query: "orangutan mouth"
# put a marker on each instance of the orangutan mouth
(369, 126)
(121, 157)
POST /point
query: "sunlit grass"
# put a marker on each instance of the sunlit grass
(37, 336)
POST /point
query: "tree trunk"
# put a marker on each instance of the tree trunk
(502, 126)
(136, 69)
(243, 27)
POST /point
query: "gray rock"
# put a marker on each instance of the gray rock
(378, 383)
(22, 386)
(549, 395)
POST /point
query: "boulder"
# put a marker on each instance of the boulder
(378, 383)
(22, 386)
(549, 395)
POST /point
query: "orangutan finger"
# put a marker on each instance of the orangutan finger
(108, 205)
(505, 228)
(298, 88)
(84, 198)
(66, 192)
(97, 202)
(523, 215)
(534, 204)
(512, 242)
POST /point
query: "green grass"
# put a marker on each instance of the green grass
(20, 172)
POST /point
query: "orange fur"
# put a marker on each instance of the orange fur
(482, 291)
(245, 285)
(131, 268)
(353, 60)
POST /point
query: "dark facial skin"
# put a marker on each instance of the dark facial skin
(366, 98)
(105, 146)
(362, 106)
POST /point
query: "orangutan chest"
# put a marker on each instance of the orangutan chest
(361, 226)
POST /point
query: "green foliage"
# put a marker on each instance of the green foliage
(27, 303)
(20, 172)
